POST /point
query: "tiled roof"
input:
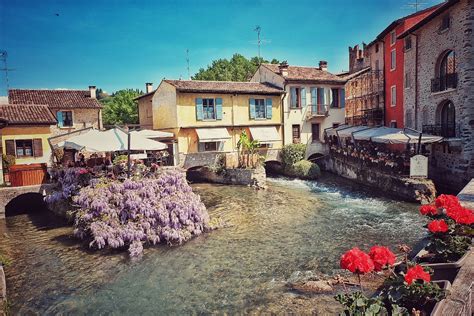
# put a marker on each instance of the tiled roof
(224, 87)
(27, 114)
(54, 98)
(298, 73)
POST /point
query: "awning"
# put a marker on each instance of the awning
(207, 135)
(265, 134)
(403, 137)
(374, 132)
(333, 130)
(347, 132)
(148, 133)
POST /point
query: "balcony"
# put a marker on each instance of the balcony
(317, 110)
(444, 130)
(450, 81)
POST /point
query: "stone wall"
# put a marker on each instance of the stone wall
(82, 118)
(412, 190)
(9, 193)
(455, 163)
(252, 177)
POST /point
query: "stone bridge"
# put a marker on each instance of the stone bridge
(18, 198)
(194, 160)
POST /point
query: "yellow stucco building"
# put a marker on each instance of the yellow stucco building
(209, 116)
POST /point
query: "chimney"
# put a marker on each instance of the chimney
(323, 65)
(93, 92)
(148, 87)
(283, 67)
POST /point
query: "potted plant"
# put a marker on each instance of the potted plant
(7, 161)
(407, 288)
(450, 237)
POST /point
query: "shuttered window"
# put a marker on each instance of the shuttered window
(24, 148)
(260, 108)
(64, 118)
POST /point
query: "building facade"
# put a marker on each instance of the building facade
(314, 100)
(365, 89)
(73, 109)
(440, 100)
(209, 117)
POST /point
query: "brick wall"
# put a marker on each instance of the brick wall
(81, 118)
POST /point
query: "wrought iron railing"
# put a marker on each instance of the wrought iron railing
(449, 81)
(444, 130)
(318, 110)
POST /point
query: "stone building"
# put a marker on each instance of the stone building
(365, 85)
(439, 88)
(73, 109)
(314, 101)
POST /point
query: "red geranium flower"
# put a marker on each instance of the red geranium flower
(357, 261)
(382, 257)
(461, 215)
(446, 201)
(417, 273)
(83, 171)
(428, 209)
(438, 226)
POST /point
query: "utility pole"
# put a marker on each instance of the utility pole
(417, 5)
(3, 58)
(187, 62)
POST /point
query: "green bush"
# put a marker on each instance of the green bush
(120, 159)
(292, 153)
(8, 161)
(304, 169)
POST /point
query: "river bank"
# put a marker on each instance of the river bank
(271, 235)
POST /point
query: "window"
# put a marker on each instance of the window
(393, 124)
(448, 120)
(335, 98)
(407, 43)
(393, 59)
(393, 96)
(315, 132)
(210, 146)
(208, 109)
(407, 81)
(296, 134)
(377, 47)
(65, 118)
(393, 38)
(24, 148)
(445, 23)
(260, 108)
(295, 95)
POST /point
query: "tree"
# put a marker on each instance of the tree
(120, 108)
(238, 68)
(101, 94)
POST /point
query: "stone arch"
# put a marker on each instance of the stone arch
(25, 203)
(446, 63)
(315, 157)
(446, 118)
(273, 167)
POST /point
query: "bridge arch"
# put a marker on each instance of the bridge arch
(25, 203)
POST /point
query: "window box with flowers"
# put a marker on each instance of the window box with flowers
(451, 230)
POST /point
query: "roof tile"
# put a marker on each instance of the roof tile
(54, 98)
(28, 114)
(299, 73)
(224, 87)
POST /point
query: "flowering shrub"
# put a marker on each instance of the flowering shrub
(382, 257)
(428, 210)
(138, 212)
(447, 201)
(70, 181)
(357, 261)
(438, 226)
(416, 273)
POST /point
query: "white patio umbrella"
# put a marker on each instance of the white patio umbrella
(404, 137)
(148, 133)
(374, 132)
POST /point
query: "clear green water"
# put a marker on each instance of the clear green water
(293, 226)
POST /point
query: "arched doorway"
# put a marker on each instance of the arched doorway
(447, 119)
(446, 71)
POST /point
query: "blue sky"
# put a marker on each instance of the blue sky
(123, 44)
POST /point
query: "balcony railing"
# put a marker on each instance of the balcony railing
(318, 110)
(444, 130)
(450, 81)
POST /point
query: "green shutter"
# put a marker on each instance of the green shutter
(252, 108)
(303, 97)
(219, 108)
(268, 103)
(342, 97)
(199, 114)
(59, 117)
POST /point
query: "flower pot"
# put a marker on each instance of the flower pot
(442, 270)
(446, 285)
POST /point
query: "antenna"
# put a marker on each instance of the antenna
(417, 5)
(258, 29)
(3, 57)
(187, 62)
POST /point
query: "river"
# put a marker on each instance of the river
(272, 234)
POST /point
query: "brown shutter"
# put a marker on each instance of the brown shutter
(37, 147)
(10, 147)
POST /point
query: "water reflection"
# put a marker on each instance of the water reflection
(293, 226)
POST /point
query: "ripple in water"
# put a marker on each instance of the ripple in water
(242, 268)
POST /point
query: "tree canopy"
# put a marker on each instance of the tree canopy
(238, 68)
(120, 108)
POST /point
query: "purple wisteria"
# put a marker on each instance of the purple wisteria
(138, 212)
(70, 181)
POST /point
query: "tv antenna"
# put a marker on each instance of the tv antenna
(416, 4)
(260, 41)
(3, 58)
(187, 63)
